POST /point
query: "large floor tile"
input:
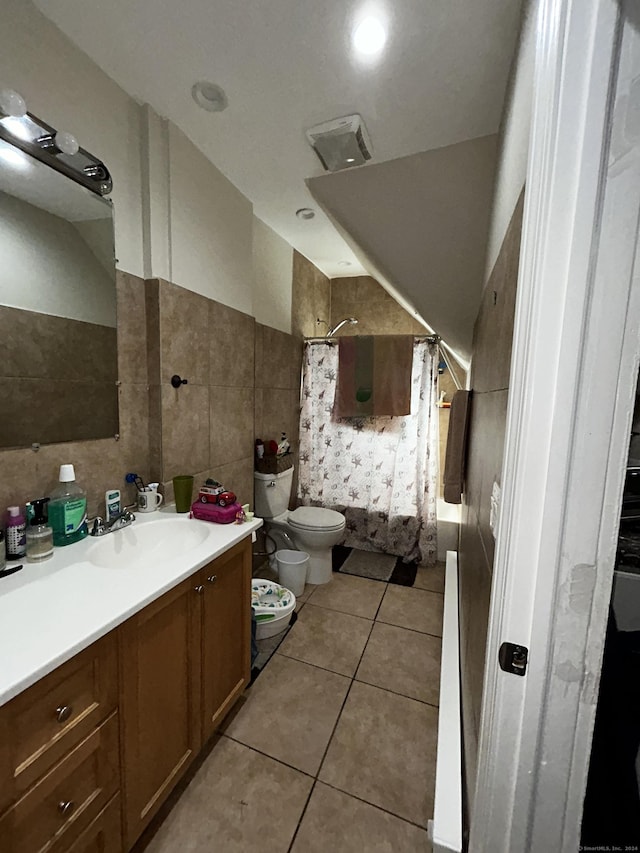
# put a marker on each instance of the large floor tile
(430, 577)
(290, 712)
(412, 608)
(350, 594)
(404, 661)
(335, 821)
(384, 751)
(327, 638)
(238, 800)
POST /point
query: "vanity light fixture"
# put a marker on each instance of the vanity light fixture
(58, 149)
(305, 213)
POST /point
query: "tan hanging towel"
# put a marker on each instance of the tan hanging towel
(374, 375)
(454, 463)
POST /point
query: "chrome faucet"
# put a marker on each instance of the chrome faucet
(101, 527)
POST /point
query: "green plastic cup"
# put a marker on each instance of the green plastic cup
(183, 492)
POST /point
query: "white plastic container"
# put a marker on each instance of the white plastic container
(272, 606)
(292, 569)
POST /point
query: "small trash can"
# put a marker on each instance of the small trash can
(292, 570)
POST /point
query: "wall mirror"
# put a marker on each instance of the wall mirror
(58, 371)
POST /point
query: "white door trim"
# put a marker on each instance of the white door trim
(574, 365)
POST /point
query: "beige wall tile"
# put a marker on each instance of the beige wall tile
(274, 362)
(237, 476)
(152, 312)
(231, 346)
(185, 429)
(231, 424)
(132, 328)
(277, 415)
(311, 298)
(376, 311)
(184, 334)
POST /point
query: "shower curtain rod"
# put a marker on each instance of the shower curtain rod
(432, 339)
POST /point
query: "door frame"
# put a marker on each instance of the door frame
(575, 358)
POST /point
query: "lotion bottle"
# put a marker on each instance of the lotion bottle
(16, 538)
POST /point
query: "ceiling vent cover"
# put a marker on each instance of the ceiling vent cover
(340, 143)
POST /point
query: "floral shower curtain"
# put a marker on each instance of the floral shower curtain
(380, 471)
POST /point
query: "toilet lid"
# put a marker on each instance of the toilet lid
(316, 518)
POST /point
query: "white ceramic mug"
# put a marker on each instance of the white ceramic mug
(149, 500)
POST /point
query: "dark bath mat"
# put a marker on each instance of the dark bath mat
(379, 569)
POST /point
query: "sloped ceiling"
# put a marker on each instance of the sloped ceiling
(286, 65)
(421, 222)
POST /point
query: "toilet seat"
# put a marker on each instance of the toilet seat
(315, 518)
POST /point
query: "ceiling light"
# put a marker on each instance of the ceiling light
(344, 263)
(305, 213)
(209, 96)
(369, 37)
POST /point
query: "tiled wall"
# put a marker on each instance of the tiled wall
(377, 312)
(206, 427)
(58, 379)
(490, 383)
(101, 464)
(310, 299)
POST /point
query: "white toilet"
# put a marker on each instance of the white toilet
(310, 528)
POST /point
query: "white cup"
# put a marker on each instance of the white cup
(149, 500)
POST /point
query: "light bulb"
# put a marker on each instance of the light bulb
(369, 37)
(12, 104)
(67, 143)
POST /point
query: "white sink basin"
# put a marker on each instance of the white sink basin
(149, 543)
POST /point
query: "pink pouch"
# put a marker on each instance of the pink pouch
(213, 512)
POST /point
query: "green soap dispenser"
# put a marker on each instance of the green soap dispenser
(68, 509)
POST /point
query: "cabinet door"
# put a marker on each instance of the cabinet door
(226, 633)
(160, 702)
(103, 834)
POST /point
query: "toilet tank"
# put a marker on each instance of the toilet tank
(272, 500)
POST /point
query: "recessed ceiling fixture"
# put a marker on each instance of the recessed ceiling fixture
(209, 96)
(341, 142)
(305, 213)
(369, 37)
(344, 263)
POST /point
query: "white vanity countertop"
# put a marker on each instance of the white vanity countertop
(50, 611)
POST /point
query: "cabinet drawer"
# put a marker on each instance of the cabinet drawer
(104, 834)
(42, 724)
(61, 805)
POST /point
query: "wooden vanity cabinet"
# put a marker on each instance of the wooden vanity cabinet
(184, 660)
(90, 752)
(226, 634)
(159, 701)
(60, 755)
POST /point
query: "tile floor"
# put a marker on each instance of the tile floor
(334, 746)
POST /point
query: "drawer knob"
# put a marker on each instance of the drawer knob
(212, 578)
(199, 588)
(65, 807)
(63, 712)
